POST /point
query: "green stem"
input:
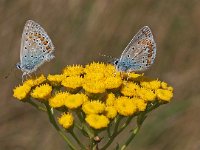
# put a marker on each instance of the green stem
(36, 105)
(134, 133)
(115, 133)
(53, 122)
(125, 124)
(140, 120)
(77, 140)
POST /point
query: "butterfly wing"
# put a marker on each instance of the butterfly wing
(36, 47)
(141, 51)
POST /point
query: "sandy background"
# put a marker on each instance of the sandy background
(80, 30)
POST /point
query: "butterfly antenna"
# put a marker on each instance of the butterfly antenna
(106, 56)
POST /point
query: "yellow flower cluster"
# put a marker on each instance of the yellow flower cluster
(98, 90)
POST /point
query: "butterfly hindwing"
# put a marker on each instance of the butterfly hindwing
(140, 52)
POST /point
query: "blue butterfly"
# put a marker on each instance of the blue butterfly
(36, 48)
(139, 54)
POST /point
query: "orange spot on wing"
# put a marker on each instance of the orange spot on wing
(45, 42)
(48, 48)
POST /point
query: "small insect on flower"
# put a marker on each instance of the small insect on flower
(36, 48)
(139, 54)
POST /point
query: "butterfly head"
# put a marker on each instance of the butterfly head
(18, 65)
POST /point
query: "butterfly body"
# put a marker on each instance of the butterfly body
(139, 54)
(36, 48)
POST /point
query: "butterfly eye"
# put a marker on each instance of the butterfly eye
(116, 62)
(128, 56)
(25, 56)
(25, 47)
(32, 56)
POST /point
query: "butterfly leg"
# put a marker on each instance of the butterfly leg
(128, 76)
(24, 74)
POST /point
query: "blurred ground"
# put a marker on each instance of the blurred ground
(80, 30)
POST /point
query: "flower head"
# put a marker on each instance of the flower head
(129, 89)
(75, 100)
(21, 92)
(125, 106)
(110, 112)
(97, 121)
(72, 82)
(94, 68)
(42, 92)
(165, 95)
(146, 94)
(75, 70)
(110, 99)
(66, 120)
(34, 82)
(93, 107)
(113, 82)
(55, 80)
(94, 87)
(58, 100)
(140, 104)
(151, 84)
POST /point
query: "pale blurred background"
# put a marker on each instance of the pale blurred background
(80, 30)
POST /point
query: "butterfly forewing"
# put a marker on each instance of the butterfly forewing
(36, 46)
(141, 50)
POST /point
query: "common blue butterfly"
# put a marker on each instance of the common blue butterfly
(36, 48)
(139, 54)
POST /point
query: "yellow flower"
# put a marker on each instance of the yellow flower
(72, 82)
(111, 71)
(134, 76)
(35, 82)
(151, 84)
(55, 80)
(113, 82)
(164, 85)
(93, 107)
(74, 100)
(110, 99)
(94, 87)
(170, 88)
(39, 80)
(165, 95)
(21, 92)
(95, 67)
(42, 92)
(94, 76)
(58, 100)
(129, 89)
(97, 121)
(146, 94)
(75, 70)
(110, 112)
(125, 106)
(29, 82)
(140, 104)
(66, 120)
